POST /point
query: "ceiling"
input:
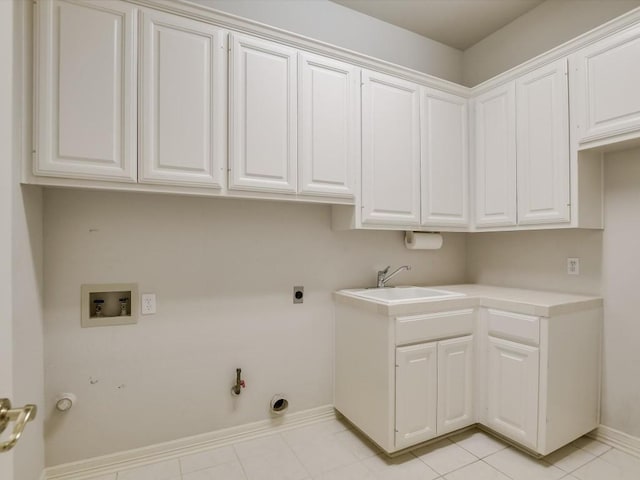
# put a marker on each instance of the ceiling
(457, 23)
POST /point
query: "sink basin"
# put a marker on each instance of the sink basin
(396, 295)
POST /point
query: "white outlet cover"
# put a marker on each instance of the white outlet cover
(148, 303)
(573, 266)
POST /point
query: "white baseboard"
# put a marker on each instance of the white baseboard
(112, 463)
(615, 438)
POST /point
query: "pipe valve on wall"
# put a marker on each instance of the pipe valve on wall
(237, 388)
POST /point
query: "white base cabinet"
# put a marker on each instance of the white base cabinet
(513, 390)
(542, 376)
(406, 379)
(416, 393)
(403, 386)
(455, 384)
(434, 388)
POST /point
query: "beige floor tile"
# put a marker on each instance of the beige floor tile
(520, 466)
(445, 456)
(476, 471)
(479, 443)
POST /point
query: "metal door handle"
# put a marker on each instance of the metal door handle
(21, 416)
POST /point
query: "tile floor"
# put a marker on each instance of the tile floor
(331, 451)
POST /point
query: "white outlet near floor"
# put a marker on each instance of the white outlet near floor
(573, 266)
(148, 303)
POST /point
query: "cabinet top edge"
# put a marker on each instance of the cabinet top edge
(528, 302)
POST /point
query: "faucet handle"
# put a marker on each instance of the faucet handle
(386, 270)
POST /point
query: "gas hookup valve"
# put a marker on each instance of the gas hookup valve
(237, 388)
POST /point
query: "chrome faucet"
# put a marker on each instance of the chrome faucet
(383, 278)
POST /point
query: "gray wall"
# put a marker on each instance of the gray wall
(546, 26)
(332, 23)
(620, 282)
(223, 272)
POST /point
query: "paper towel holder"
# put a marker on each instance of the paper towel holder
(422, 240)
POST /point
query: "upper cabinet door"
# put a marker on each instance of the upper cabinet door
(543, 145)
(390, 150)
(86, 87)
(184, 102)
(262, 121)
(329, 135)
(445, 162)
(607, 75)
(495, 157)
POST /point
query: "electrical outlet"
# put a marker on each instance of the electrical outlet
(298, 294)
(148, 303)
(573, 266)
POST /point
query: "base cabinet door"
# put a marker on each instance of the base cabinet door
(184, 102)
(390, 151)
(543, 145)
(86, 87)
(416, 394)
(512, 403)
(455, 384)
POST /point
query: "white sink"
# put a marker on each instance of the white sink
(396, 295)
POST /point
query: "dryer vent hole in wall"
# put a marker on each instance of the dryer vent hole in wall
(279, 404)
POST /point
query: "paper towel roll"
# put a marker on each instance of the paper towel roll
(422, 241)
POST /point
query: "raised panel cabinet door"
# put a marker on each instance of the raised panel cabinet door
(390, 151)
(86, 90)
(416, 394)
(512, 403)
(184, 102)
(455, 384)
(329, 126)
(263, 116)
(605, 78)
(543, 145)
(445, 159)
(495, 157)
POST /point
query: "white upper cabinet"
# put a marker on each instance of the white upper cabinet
(390, 150)
(263, 116)
(543, 145)
(86, 90)
(183, 102)
(445, 163)
(605, 93)
(495, 157)
(329, 126)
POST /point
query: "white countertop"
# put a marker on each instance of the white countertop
(529, 302)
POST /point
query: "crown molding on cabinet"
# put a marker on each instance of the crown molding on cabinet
(571, 46)
(267, 32)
